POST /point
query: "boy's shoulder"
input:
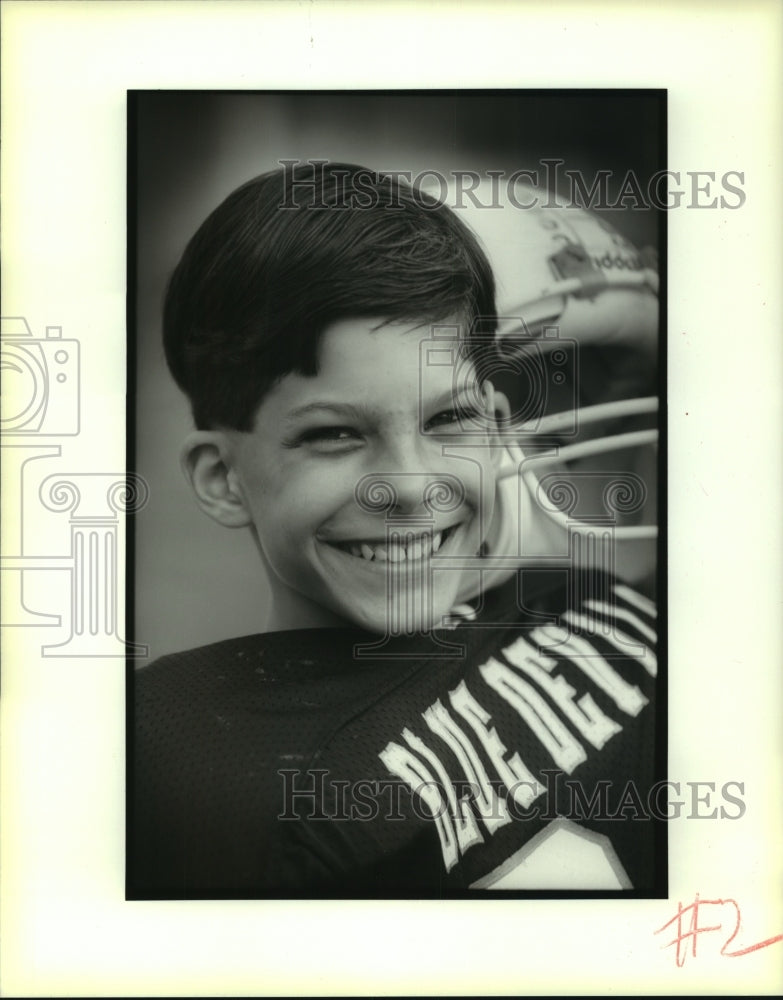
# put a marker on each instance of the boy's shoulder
(268, 688)
(265, 655)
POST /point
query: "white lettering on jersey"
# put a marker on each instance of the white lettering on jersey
(492, 810)
(566, 751)
(626, 696)
(639, 601)
(613, 611)
(513, 773)
(563, 855)
(558, 857)
(400, 761)
(465, 823)
(588, 718)
(620, 640)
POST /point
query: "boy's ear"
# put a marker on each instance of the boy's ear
(206, 462)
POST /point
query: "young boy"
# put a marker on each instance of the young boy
(420, 715)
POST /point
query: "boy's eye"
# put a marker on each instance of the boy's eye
(329, 438)
(447, 418)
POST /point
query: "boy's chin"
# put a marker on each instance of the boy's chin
(406, 614)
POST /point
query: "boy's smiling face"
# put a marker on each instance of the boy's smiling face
(307, 473)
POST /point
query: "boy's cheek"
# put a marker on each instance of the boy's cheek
(294, 484)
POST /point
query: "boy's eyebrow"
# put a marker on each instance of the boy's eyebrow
(449, 397)
(343, 409)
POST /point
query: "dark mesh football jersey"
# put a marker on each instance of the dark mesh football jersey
(515, 751)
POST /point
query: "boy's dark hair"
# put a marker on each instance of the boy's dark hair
(299, 248)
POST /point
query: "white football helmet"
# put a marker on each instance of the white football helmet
(567, 281)
(559, 265)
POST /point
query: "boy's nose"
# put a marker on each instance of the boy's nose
(412, 478)
(410, 495)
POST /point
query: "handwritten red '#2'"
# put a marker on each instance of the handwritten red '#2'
(691, 934)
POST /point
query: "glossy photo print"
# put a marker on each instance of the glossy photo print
(396, 371)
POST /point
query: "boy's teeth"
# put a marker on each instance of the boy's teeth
(396, 551)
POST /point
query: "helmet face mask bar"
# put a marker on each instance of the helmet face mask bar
(590, 500)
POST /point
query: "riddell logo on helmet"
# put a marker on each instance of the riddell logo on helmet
(623, 262)
(575, 261)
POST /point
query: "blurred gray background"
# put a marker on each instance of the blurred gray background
(193, 581)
